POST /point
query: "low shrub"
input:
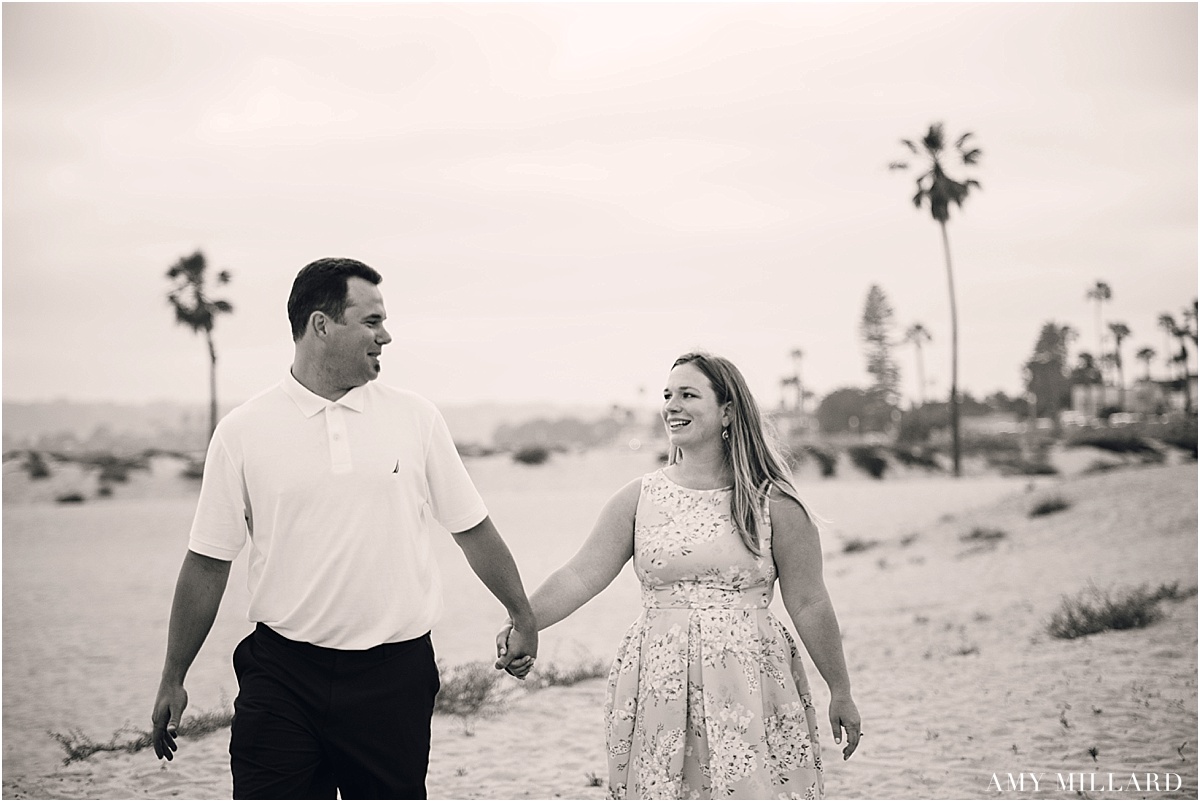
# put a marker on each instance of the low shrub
(983, 535)
(1048, 506)
(194, 469)
(35, 465)
(911, 457)
(869, 460)
(531, 455)
(1093, 610)
(857, 544)
(826, 458)
(1116, 441)
(1188, 445)
(472, 690)
(1011, 464)
(556, 676)
(1101, 466)
(1180, 434)
(1172, 592)
(70, 498)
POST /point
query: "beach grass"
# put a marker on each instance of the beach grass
(1048, 506)
(1094, 610)
(80, 746)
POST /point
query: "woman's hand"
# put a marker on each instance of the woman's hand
(518, 666)
(843, 714)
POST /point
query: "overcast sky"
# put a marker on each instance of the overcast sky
(563, 198)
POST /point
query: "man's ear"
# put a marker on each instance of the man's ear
(318, 322)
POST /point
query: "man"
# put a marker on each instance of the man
(334, 481)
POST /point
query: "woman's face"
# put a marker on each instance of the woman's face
(690, 409)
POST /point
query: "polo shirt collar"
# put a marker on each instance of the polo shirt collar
(310, 403)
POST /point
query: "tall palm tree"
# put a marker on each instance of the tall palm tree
(918, 335)
(1119, 332)
(1146, 355)
(940, 190)
(1101, 293)
(1188, 331)
(195, 309)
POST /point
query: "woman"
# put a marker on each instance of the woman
(707, 696)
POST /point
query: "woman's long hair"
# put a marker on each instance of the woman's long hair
(750, 451)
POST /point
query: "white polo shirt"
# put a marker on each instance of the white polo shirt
(337, 498)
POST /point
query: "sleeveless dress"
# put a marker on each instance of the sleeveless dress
(707, 697)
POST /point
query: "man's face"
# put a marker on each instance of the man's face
(355, 345)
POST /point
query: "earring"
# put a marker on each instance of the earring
(725, 434)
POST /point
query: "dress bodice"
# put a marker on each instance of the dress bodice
(687, 552)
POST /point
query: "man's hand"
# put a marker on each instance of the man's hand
(516, 650)
(168, 710)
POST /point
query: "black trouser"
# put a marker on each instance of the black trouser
(310, 721)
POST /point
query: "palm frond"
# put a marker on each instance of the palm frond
(909, 144)
(934, 141)
(898, 166)
(972, 156)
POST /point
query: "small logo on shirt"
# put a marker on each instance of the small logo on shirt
(397, 468)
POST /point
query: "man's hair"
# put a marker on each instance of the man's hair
(320, 286)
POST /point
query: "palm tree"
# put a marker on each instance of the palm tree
(784, 384)
(918, 335)
(1119, 332)
(798, 355)
(1189, 331)
(1167, 323)
(1146, 356)
(940, 190)
(1181, 333)
(1099, 292)
(195, 309)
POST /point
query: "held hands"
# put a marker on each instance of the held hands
(844, 714)
(168, 710)
(516, 650)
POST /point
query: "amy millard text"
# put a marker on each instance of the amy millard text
(1133, 782)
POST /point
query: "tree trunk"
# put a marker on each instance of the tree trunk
(212, 386)
(920, 376)
(1187, 376)
(954, 422)
(1120, 382)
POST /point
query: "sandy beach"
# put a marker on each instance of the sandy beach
(962, 691)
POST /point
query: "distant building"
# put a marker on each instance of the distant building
(991, 423)
(1090, 399)
(1145, 397)
(792, 424)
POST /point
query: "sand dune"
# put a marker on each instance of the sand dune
(958, 683)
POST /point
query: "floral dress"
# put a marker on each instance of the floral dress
(707, 697)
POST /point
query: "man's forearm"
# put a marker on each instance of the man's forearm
(493, 563)
(198, 593)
